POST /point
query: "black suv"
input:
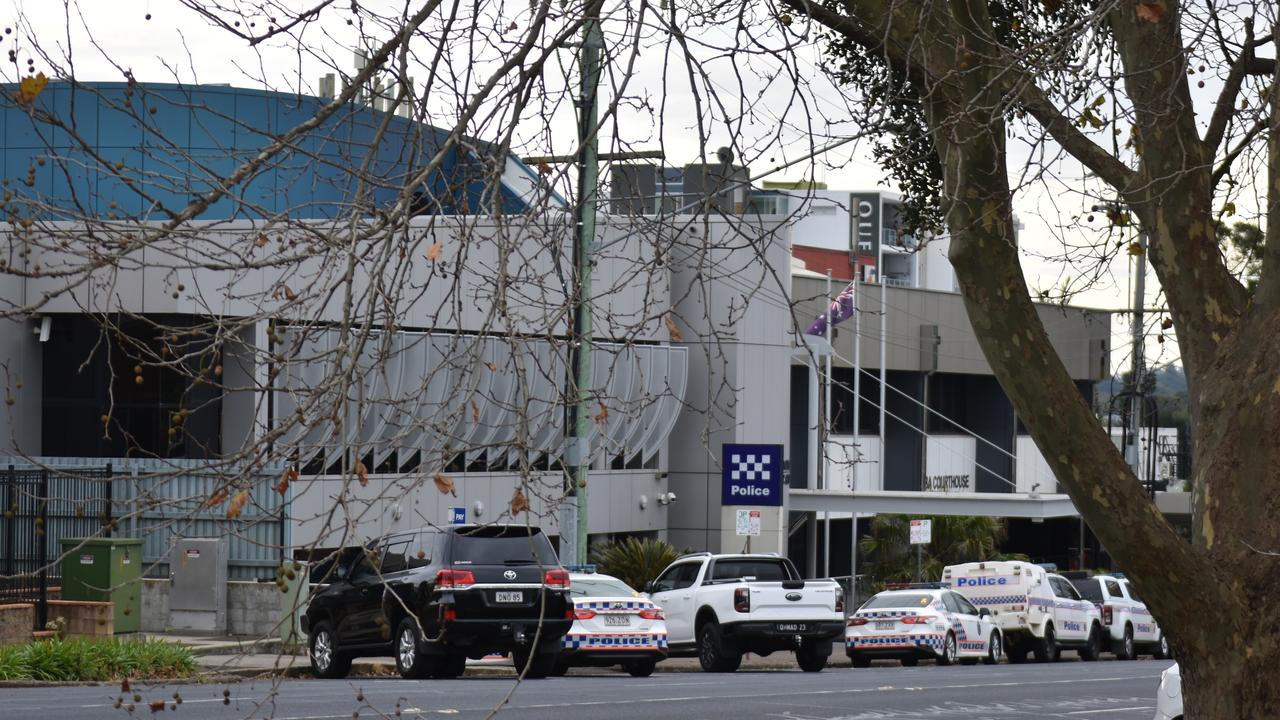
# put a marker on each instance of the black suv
(436, 596)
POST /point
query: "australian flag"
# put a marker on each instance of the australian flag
(841, 309)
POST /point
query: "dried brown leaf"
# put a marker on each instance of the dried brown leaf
(475, 412)
(289, 294)
(217, 498)
(262, 240)
(30, 88)
(603, 415)
(433, 252)
(289, 476)
(237, 504)
(673, 330)
(362, 474)
(519, 503)
(444, 484)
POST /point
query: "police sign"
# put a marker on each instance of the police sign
(751, 475)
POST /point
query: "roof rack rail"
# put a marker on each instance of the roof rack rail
(917, 586)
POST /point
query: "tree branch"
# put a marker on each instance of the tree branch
(1093, 156)
(1225, 107)
(1268, 291)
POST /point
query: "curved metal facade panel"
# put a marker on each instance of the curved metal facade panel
(438, 395)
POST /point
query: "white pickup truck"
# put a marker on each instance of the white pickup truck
(721, 606)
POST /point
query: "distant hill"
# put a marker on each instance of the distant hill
(1170, 393)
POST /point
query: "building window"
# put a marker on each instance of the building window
(128, 387)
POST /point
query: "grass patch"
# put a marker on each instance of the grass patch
(95, 659)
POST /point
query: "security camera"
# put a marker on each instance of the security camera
(671, 497)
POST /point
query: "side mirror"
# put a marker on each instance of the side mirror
(984, 612)
(648, 588)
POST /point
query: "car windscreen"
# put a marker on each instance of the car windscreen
(1089, 590)
(757, 569)
(600, 587)
(501, 545)
(899, 600)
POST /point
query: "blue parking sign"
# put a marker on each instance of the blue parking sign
(458, 516)
(751, 475)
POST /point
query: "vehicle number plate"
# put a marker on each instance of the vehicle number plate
(508, 597)
(621, 620)
(792, 627)
(885, 624)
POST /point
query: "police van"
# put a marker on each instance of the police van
(1037, 611)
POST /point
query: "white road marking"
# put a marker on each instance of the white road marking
(1111, 710)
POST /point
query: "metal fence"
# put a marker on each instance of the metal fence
(160, 501)
(41, 506)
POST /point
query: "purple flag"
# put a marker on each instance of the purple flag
(841, 309)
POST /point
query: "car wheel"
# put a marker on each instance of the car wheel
(714, 654)
(809, 659)
(327, 661)
(449, 667)
(1127, 650)
(641, 668)
(994, 649)
(910, 662)
(410, 660)
(860, 661)
(1046, 649)
(539, 667)
(948, 656)
(1016, 652)
(1093, 648)
(560, 670)
(1162, 649)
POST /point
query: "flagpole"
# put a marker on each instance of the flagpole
(884, 326)
(857, 440)
(826, 430)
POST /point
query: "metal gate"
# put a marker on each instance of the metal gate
(41, 507)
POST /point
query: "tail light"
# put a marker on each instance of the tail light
(857, 621)
(917, 620)
(450, 614)
(742, 600)
(557, 579)
(839, 600)
(652, 614)
(583, 614)
(455, 579)
(1107, 614)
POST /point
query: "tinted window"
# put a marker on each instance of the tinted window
(677, 577)
(1113, 589)
(964, 605)
(761, 570)
(394, 552)
(899, 600)
(1089, 590)
(950, 602)
(502, 545)
(600, 586)
(1057, 585)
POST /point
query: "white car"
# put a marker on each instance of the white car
(921, 622)
(612, 625)
(1169, 696)
(1037, 611)
(1131, 629)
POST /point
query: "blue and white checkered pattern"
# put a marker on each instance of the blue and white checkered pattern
(999, 600)
(929, 640)
(750, 467)
(627, 641)
(614, 605)
(886, 614)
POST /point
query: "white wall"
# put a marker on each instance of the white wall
(848, 455)
(821, 219)
(1032, 469)
(935, 268)
(952, 456)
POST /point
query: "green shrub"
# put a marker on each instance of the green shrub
(95, 659)
(633, 560)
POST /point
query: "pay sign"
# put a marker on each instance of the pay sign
(921, 532)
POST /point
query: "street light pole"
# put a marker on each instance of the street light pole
(573, 534)
(1132, 453)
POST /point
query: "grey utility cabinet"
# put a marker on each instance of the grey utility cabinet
(198, 585)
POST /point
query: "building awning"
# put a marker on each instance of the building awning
(1007, 505)
(487, 397)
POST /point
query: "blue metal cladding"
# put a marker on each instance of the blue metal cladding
(147, 149)
(163, 500)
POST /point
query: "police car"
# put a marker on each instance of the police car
(922, 621)
(612, 625)
(1125, 617)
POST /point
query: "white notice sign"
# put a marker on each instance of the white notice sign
(921, 532)
(747, 522)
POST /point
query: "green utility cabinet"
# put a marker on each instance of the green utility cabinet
(105, 570)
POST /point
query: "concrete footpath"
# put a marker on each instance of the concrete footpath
(256, 657)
